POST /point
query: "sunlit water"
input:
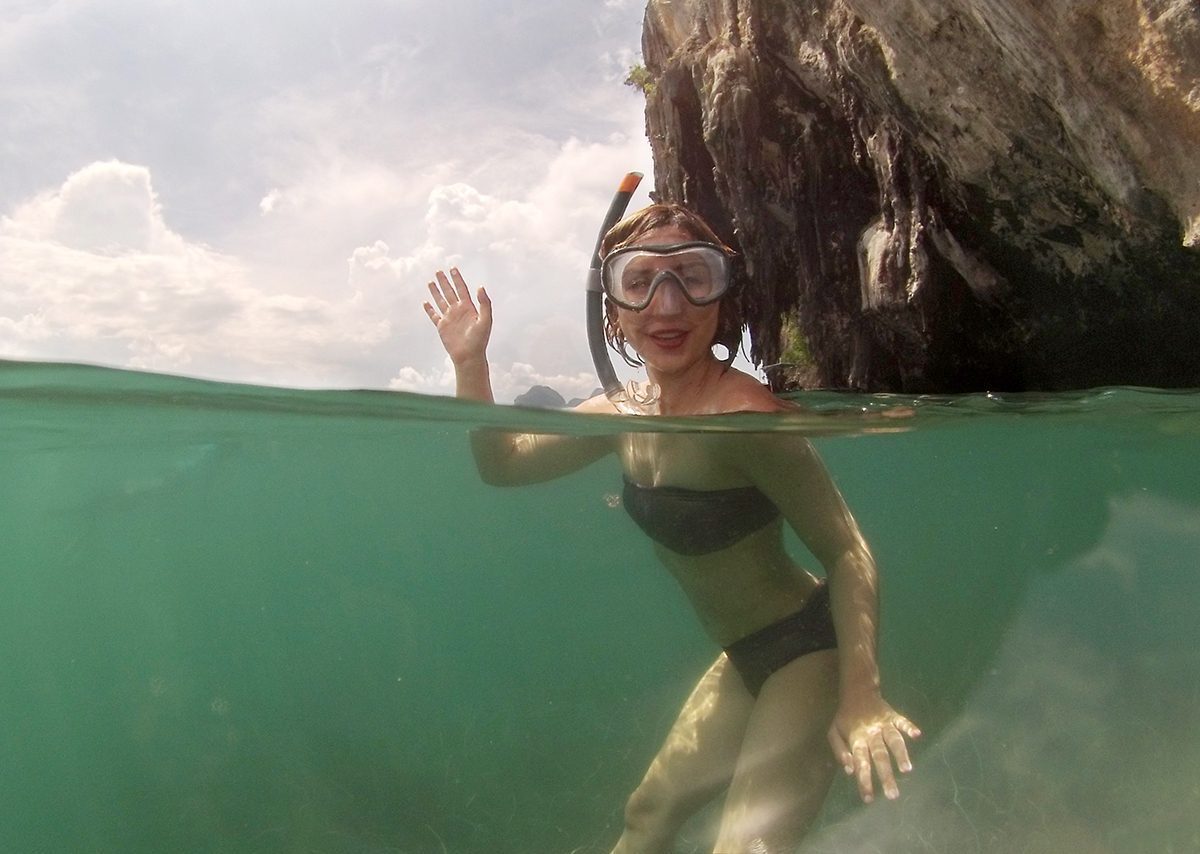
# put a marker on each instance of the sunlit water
(240, 619)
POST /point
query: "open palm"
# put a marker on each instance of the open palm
(464, 330)
(871, 731)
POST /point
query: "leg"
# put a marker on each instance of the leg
(694, 764)
(786, 766)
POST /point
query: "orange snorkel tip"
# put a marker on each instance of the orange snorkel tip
(630, 182)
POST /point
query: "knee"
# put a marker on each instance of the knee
(652, 810)
(643, 808)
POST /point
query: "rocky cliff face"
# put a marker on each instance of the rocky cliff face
(945, 195)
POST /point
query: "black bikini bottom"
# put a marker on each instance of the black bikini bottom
(758, 655)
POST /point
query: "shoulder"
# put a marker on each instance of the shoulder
(598, 405)
(758, 455)
(740, 392)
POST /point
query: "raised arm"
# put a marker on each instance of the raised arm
(464, 331)
(503, 458)
(866, 730)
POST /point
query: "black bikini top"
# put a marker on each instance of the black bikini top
(697, 522)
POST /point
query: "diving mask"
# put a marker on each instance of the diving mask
(632, 275)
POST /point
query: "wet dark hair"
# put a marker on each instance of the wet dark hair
(626, 233)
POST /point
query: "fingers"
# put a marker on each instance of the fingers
(895, 743)
(872, 753)
(485, 307)
(840, 751)
(442, 293)
(893, 737)
(460, 286)
(862, 769)
(447, 291)
(882, 758)
(907, 727)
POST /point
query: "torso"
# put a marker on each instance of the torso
(735, 590)
(696, 522)
(752, 583)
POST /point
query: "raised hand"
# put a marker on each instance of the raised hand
(870, 731)
(464, 330)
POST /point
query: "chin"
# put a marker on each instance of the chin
(674, 363)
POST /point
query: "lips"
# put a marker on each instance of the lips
(668, 339)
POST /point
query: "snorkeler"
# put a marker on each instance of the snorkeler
(799, 674)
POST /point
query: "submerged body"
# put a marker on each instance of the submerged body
(696, 522)
(773, 733)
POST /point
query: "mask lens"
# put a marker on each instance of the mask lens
(701, 270)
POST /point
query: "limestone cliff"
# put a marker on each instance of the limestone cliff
(945, 195)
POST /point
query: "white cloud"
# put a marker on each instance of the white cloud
(410, 379)
(91, 272)
(301, 182)
(530, 252)
(269, 201)
(109, 208)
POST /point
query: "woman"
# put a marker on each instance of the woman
(799, 673)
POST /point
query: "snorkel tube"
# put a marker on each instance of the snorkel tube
(595, 292)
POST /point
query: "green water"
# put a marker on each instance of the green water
(240, 619)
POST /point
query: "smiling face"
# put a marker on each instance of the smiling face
(669, 334)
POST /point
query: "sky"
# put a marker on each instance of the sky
(259, 191)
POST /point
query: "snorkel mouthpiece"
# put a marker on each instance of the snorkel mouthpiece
(595, 293)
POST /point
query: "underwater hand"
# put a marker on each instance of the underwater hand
(463, 329)
(869, 731)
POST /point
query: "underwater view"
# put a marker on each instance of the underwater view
(247, 619)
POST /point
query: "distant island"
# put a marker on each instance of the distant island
(544, 397)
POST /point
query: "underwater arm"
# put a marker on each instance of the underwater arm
(503, 458)
(866, 730)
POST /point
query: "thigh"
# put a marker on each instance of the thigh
(785, 766)
(698, 758)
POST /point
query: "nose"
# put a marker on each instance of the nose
(668, 297)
